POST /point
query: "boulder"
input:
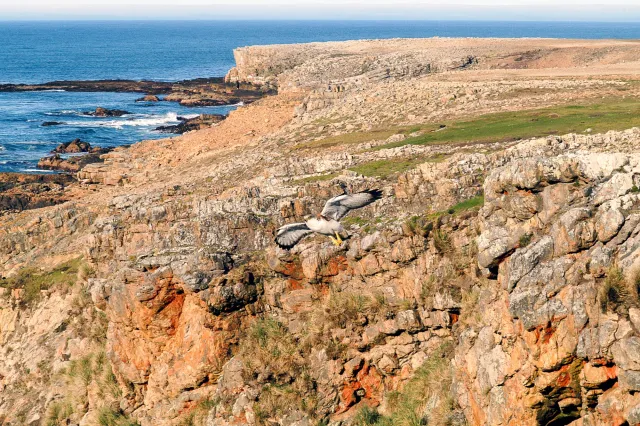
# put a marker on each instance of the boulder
(105, 112)
(73, 147)
(148, 98)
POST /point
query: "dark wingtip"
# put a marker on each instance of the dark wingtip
(376, 193)
(282, 246)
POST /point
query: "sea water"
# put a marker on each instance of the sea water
(38, 52)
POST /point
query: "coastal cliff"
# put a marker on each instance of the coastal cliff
(495, 283)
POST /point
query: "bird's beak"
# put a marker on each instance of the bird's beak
(307, 217)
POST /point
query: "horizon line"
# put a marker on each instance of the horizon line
(137, 19)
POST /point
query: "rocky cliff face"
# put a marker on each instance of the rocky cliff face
(555, 342)
(494, 283)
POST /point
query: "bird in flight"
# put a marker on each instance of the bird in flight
(328, 221)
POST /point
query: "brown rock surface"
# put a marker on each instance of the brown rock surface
(512, 313)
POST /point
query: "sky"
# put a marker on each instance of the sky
(525, 10)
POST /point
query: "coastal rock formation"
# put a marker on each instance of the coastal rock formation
(22, 192)
(495, 283)
(190, 124)
(198, 92)
(73, 163)
(148, 98)
(73, 147)
(105, 112)
(553, 342)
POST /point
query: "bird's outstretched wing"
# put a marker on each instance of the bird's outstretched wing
(337, 207)
(289, 235)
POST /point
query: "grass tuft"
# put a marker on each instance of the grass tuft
(312, 179)
(58, 412)
(109, 417)
(367, 416)
(343, 309)
(426, 398)
(525, 239)
(33, 281)
(617, 294)
(385, 168)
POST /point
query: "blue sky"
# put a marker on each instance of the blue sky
(528, 10)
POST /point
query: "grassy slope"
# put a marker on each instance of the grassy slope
(601, 116)
(618, 114)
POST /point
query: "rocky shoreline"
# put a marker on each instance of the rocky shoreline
(190, 93)
(197, 92)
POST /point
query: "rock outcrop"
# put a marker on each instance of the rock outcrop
(105, 112)
(73, 163)
(22, 192)
(553, 342)
(189, 124)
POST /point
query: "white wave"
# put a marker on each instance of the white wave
(38, 170)
(64, 112)
(1, 148)
(53, 90)
(147, 121)
(4, 161)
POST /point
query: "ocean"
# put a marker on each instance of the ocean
(38, 52)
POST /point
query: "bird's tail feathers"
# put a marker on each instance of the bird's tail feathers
(375, 193)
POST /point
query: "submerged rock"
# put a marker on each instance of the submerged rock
(148, 98)
(105, 112)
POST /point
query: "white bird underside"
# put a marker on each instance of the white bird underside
(328, 221)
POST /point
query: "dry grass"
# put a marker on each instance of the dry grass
(618, 294)
(58, 413)
(272, 357)
(425, 399)
(34, 281)
(75, 380)
(198, 415)
(277, 400)
(313, 179)
(442, 241)
(110, 417)
(269, 350)
(343, 309)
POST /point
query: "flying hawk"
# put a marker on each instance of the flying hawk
(327, 222)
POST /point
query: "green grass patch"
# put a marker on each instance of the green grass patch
(58, 412)
(354, 220)
(386, 168)
(471, 203)
(348, 139)
(311, 179)
(429, 387)
(611, 114)
(362, 137)
(33, 281)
